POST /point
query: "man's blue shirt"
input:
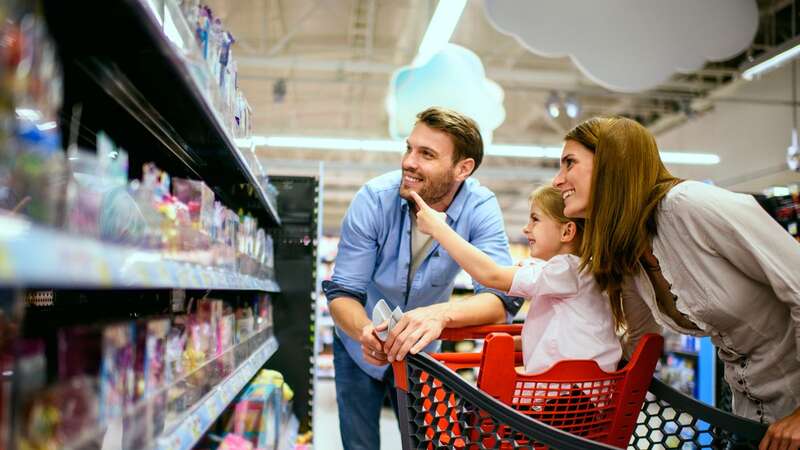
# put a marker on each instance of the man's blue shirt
(374, 253)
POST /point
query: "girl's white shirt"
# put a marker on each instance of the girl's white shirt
(569, 318)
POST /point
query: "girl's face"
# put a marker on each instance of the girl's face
(574, 179)
(543, 233)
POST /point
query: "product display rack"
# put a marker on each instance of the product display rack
(186, 429)
(103, 265)
(296, 243)
(191, 427)
(125, 74)
(156, 95)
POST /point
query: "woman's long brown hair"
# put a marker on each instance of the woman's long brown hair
(628, 182)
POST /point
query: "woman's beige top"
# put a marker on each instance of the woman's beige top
(736, 275)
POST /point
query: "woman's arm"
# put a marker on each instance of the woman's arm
(476, 263)
(638, 317)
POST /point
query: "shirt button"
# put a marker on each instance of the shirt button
(758, 412)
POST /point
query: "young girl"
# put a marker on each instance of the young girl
(569, 318)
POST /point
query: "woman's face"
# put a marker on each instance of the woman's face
(574, 179)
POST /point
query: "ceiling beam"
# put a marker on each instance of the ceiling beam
(295, 28)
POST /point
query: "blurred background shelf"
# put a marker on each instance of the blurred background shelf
(32, 256)
(188, 430)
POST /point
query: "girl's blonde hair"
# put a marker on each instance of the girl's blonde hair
(550, 201)
(628, 182)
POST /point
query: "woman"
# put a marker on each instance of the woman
(692, 257)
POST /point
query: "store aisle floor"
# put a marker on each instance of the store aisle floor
(326, 421)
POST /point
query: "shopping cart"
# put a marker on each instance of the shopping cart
(574, 405)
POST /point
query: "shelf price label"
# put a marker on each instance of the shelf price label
(103, 272)
(6, 266)
(142, 275)
(183, 278)
(195, 428)
(163, 273)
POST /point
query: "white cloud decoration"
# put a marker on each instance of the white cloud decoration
(452, 78)
(629, 45)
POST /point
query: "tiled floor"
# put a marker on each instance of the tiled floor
(326, 421)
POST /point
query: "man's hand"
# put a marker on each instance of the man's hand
(371, 346)
(418, 328)
(428, 219)
(783, 434)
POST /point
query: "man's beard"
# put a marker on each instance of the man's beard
(433, 190)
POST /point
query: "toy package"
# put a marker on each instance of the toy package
(245, 324)
(32, 162)
(199, 201)
(117, 370)
(263, 312)
(147, 420)
(79, 352)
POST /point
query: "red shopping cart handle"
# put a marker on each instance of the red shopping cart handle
(460, 334)
(457, 361)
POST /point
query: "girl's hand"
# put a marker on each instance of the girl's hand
(428, 219)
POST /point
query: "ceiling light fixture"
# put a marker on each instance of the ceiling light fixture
(772, 59)
(396, 146)
(440, 29)
(572, 106)
(553, 105)
(279, 90)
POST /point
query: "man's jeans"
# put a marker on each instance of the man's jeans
(359, 398)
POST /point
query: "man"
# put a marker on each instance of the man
(382, 256)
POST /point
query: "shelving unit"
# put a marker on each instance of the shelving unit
(104, 265)
(187, 430)
(325, 327)
(132, 69)
(158, 94)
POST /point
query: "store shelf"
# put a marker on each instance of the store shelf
(34, 256)
(682, 352)
(325, 321)
(163, 85)
(324, 366)
(188, 431)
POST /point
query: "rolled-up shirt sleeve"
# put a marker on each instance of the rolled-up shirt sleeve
(638, 317)
(358, 249)
(488, 234)
(553, 278)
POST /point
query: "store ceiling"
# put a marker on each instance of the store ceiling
(322, 68)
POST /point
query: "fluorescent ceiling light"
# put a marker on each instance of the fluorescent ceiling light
(778, 191)
(772, 59)
(441, 28)
(396, 146)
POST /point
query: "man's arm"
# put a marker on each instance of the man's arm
(480, 266)
(355, 264)
(425, 324)
(349, 314)
(421, 326)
